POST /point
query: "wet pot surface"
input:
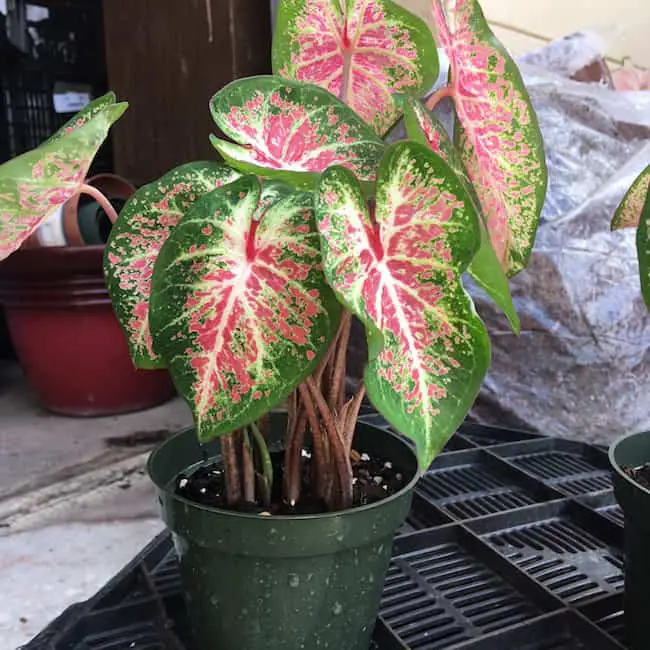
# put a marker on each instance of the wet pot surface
(627, 453)
(282, 583)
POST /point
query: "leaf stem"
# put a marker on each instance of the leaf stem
(337, 388)
(231, 469)
(293, 458)
(341, 459)
(101, 199)
(265, 456)
(350, 416)
(248, 468)
(322, 478)
(439, 95)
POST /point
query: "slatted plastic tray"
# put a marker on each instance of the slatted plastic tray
(514, 540)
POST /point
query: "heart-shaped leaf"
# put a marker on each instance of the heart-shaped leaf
(628, 213)
(643, 249)
(240, 309)
(497, 133)
(362, 51)
(37, 183)
(292, 131)
(423, 127)
(399, 272)
(143, 227)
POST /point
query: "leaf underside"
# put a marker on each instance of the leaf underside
(497, 133)
(240, 309)
(291, 131)
(643, 249)
(34, 185)
(399, 272)
(142, 228)
(628, 213)
(362, 51)
(85, 115)
(485, 268)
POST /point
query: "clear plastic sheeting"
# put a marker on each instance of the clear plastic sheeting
(581, 366)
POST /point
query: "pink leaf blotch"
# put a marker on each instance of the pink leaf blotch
(36, 184)
(497, 133)
(291, 131)
(142, 228)
(240, 309)
(397, 265)
(362, 51)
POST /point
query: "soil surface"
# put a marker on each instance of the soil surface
(374, 479)
(640, 475)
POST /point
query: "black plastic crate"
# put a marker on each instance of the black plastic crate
(495, 554)
(57, 46)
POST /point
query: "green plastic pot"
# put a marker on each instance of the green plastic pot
(253, 582)
(633, 451)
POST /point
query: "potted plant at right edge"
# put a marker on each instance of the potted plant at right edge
(242, 279)
(630, 455)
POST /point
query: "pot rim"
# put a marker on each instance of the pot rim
(617, 468)
(310, 517)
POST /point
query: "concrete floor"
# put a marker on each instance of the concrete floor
(74, 509)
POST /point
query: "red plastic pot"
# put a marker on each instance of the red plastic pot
(67, 338)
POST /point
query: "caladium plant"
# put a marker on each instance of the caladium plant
(634, 212)
(242, 276)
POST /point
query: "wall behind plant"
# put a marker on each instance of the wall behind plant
(524, 25)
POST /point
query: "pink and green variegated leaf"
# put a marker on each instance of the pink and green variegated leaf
(143, 227)
(643, 249)
(422, 126)
(497, 132)
(33, 186)
(362, 51)
(628, 213)
(292, 131)
(399, 271)
(85, 115)
(240, 309)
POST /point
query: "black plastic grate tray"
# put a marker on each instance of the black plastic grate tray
(514, 540)
(571, 467)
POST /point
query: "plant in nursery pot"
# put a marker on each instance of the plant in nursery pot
(630, 455)
(242, 277)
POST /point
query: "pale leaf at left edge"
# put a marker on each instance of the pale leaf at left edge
(240, 309)
(362, 51)
(34, 185)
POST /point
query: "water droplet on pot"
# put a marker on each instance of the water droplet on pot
(337, 609)
(294, 580)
